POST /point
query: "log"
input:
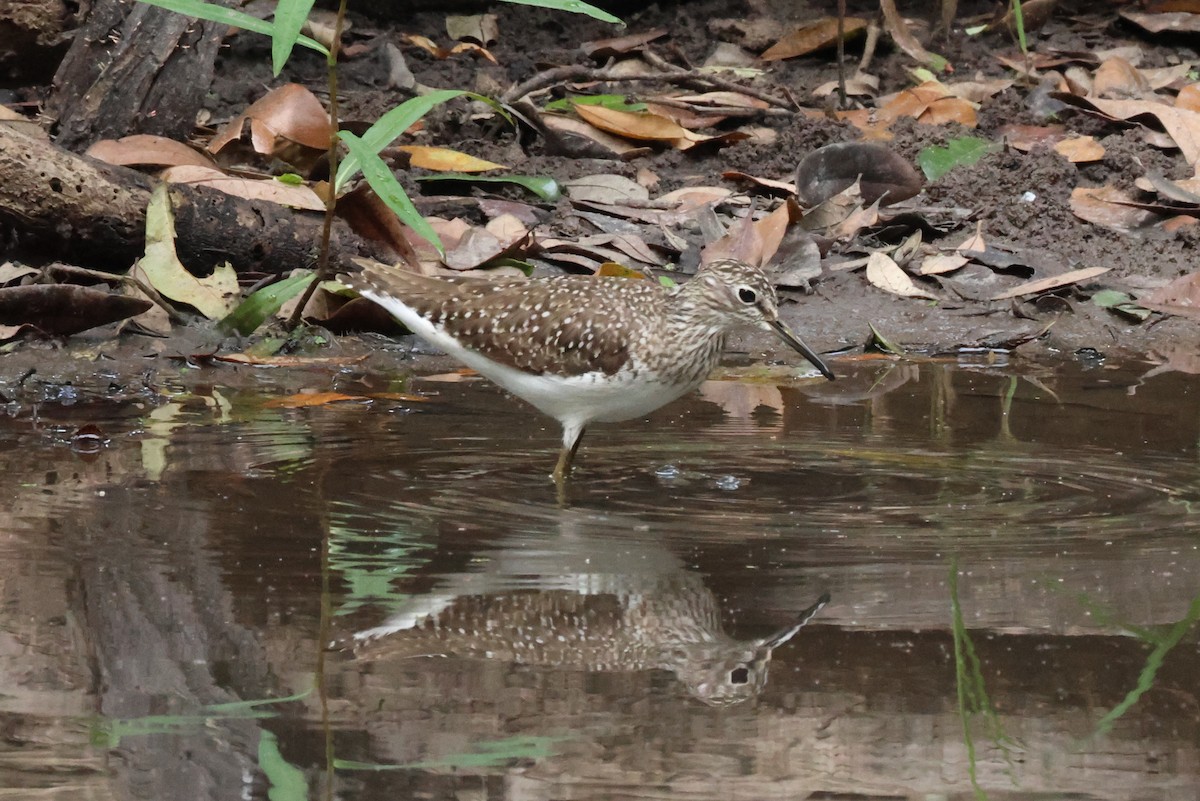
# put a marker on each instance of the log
(133, 68)
(55, 204)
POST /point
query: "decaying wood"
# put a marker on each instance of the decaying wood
(133, 68)
(58, 205)
(33, 37)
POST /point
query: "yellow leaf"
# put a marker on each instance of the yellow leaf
(445, 159)
(214, 296)
(632, 125)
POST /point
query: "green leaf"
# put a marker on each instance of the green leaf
(614, 102)
(395, 122)
(287, 780)
(254, 310)
(389, 190)
(878, 342)
(964, 151)
(237, 19)
(668, 281)
(290, 16)
(390, 126)
(574, 6)
(290, 179)
(1120, 303)
(544, 187)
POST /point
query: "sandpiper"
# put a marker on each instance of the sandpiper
(583, 349)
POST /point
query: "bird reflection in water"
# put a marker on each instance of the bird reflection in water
(628, 608)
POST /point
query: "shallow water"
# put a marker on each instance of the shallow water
(1012, 554)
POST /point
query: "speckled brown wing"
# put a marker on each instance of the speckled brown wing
(560, 326)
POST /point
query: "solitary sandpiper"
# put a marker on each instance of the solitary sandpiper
(584, 349)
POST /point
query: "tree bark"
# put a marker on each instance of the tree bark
(133, 68)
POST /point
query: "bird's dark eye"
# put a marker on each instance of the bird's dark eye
(740, 675)
(747, 295)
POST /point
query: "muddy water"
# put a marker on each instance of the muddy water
(1012, 555)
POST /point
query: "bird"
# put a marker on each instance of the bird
(583, 349)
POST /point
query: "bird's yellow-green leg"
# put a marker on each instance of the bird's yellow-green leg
(572, 436)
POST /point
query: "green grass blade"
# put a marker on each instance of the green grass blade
(544, 187)
(237, 19)
(389, 190)
(254, 310)
(1149, 672)
(290, 16)
(574, 6)
(390, 126)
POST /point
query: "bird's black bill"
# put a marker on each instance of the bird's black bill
(783, 635)
(787, 336)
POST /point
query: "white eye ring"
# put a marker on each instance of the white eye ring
(747, 295)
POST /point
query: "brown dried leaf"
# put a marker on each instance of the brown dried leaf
(147, 150)
(1175, 22)
(1181, 297)
(1108, 206)
(303, 400)
(268, 189)
(609, 146)
(290, 112)
(811, 37)
(1051, 282)
(941, 263)
(621, 45)
(1080, 149)
(642, 126)
(284, 361)
(1117, 78)
(65, 309)
(1181, 124)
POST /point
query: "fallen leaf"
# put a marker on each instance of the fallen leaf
(884, 273)
(290, 111)
(621, 45)
(609, 145)
(479, 28)
(1117, 78)
(305, 399)
(146, 150)
(1109, 207)
(941, 263)
(64, 309)
(1120, 303)
(606, 188)
(1180, 297)
(1080, 149)
(1182, 124)
(288, 361)
(644, 126)
(263, 189)
(213, 296)
(1051, 282)
(428, 157)
(936, 161)
(814, 36)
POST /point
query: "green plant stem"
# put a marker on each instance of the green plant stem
(330, 194)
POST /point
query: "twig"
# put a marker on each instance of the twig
(670, 74)
(682, 75)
